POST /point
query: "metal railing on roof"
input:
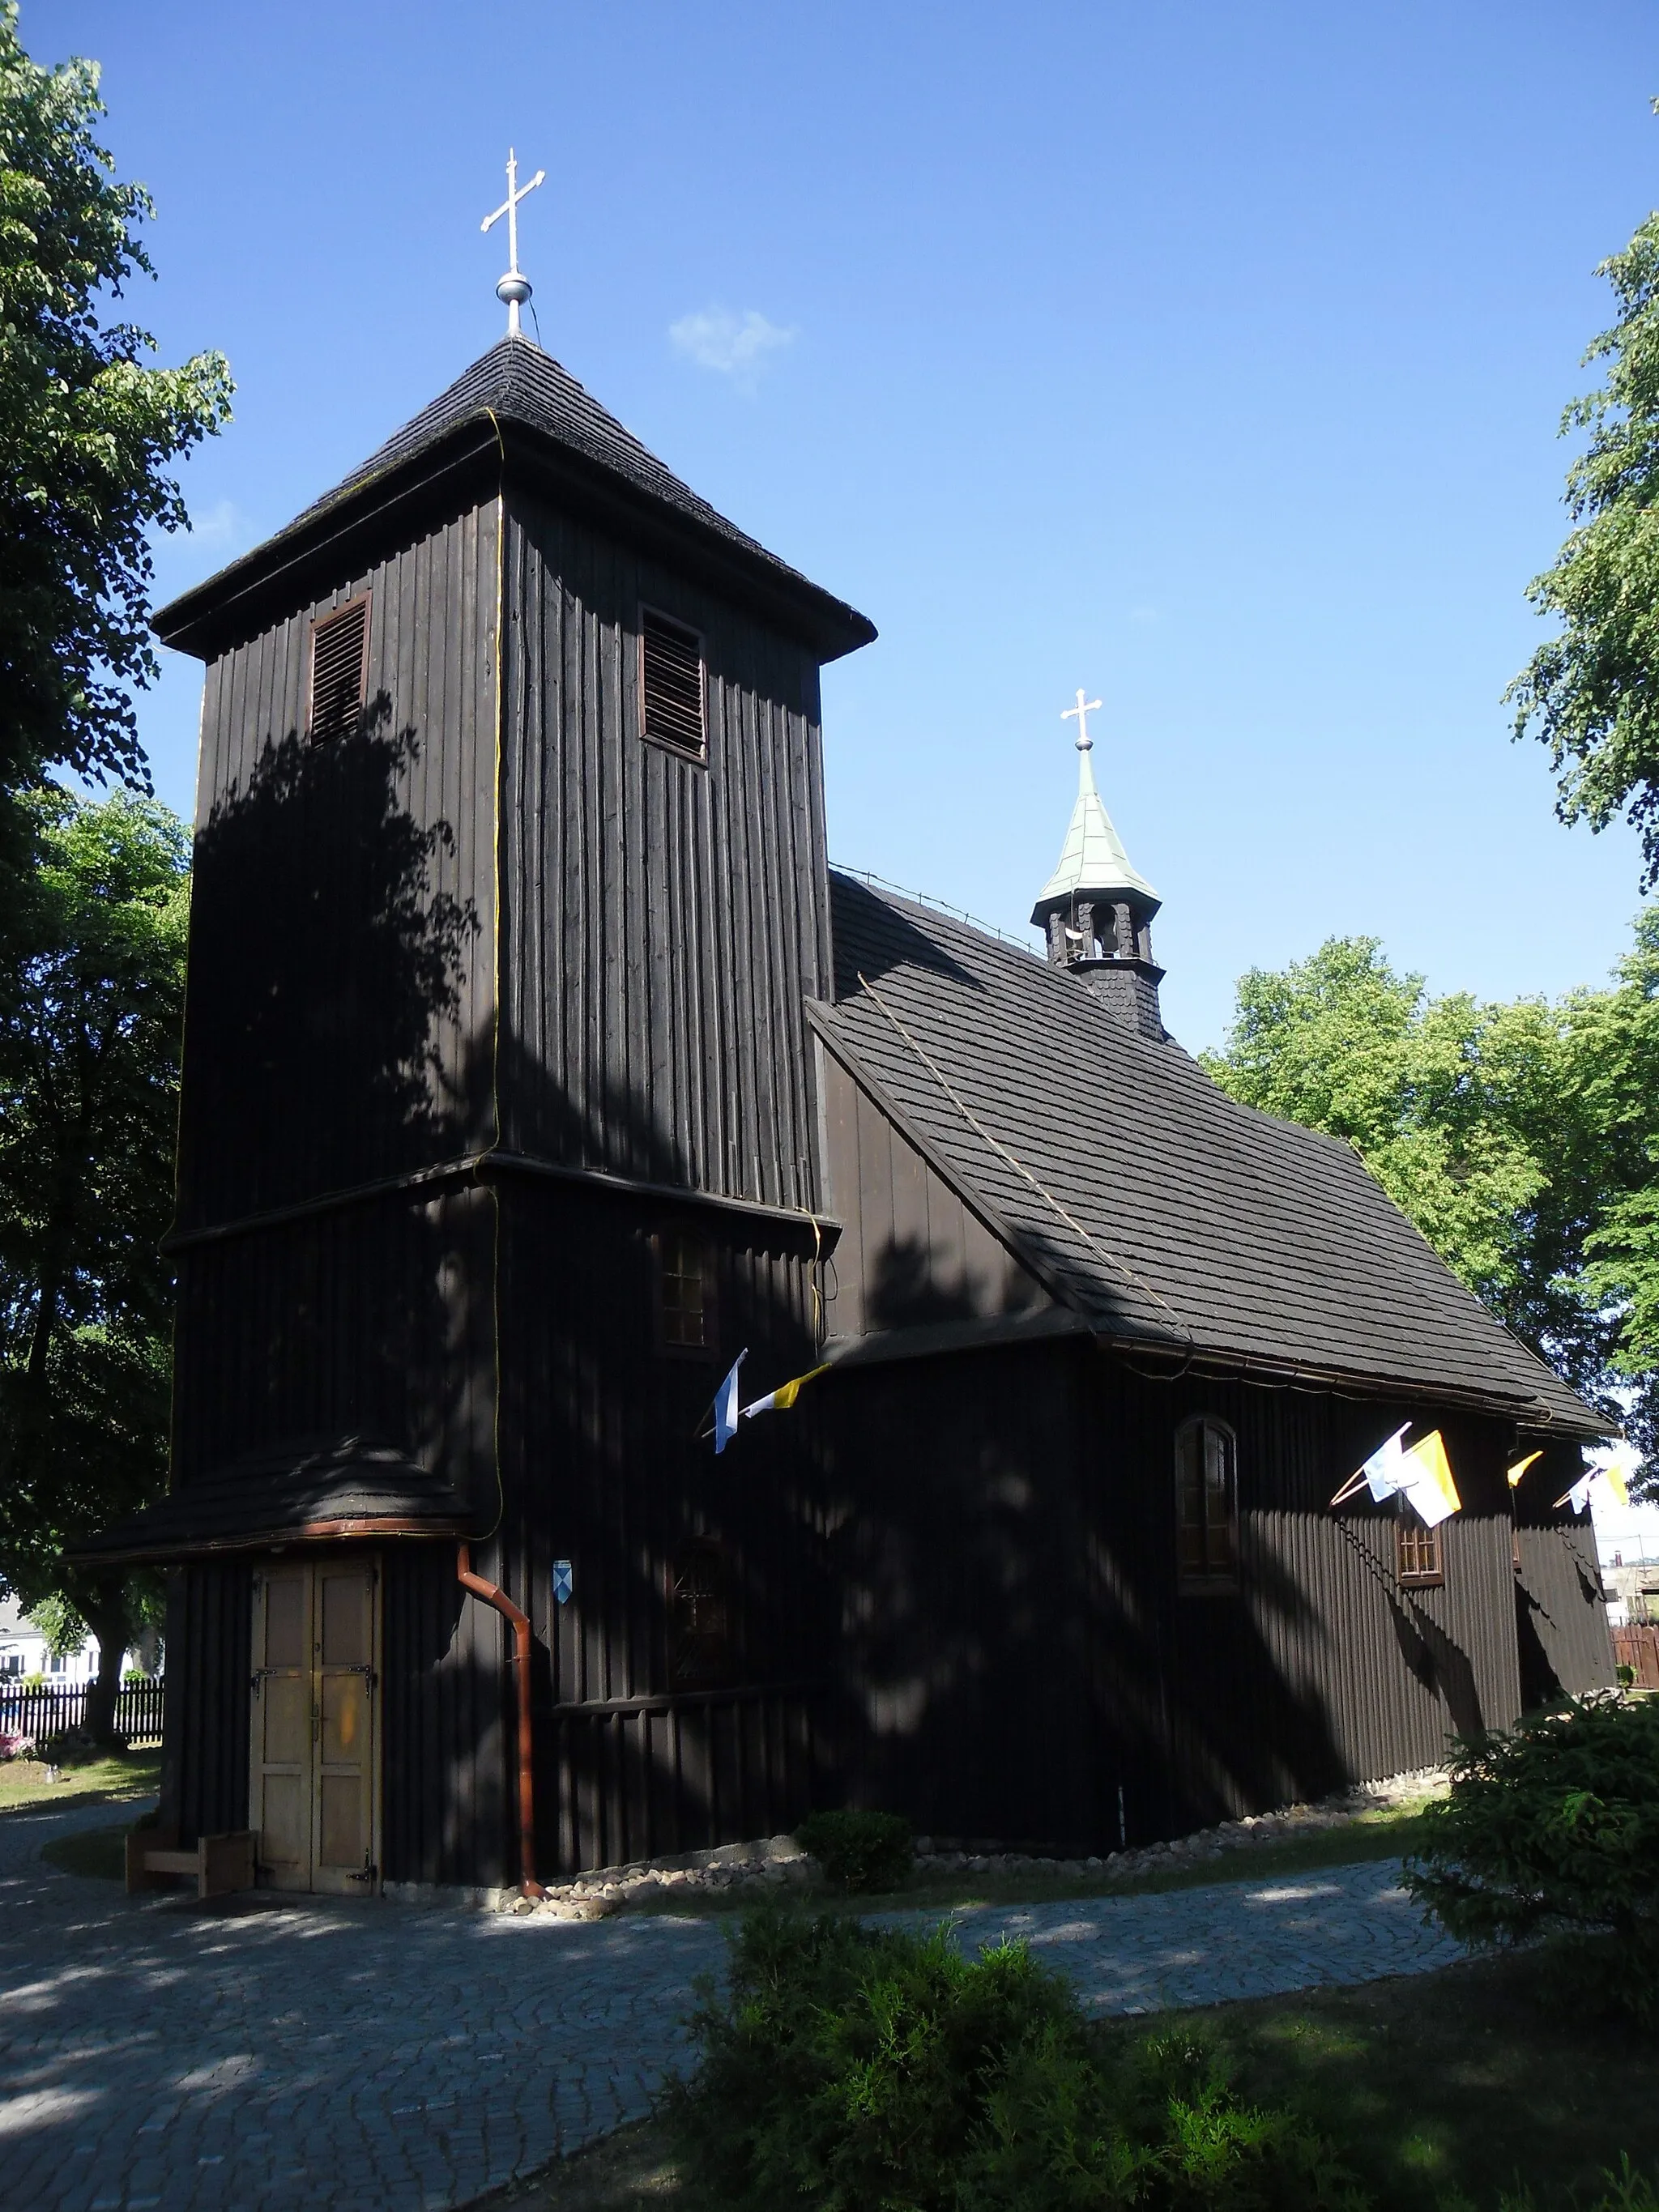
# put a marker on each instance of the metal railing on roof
(939, 906)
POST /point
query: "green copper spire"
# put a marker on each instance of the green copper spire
(1093, 864)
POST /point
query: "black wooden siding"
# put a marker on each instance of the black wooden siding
(1018, 1648)
(1561, 1615)
(602, 1465)
(662, 920)
(374, 1319)
(205, 1759)
(340, 1005)
(910, 1252)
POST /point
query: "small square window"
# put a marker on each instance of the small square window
(1417, 1549)
(1206, 1504)
(671, 684)
(683, 1304)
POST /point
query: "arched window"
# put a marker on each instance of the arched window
(1206, 1504)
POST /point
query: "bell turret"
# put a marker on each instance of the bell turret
(1096, 911)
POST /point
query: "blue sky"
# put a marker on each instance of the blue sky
(1208, 356)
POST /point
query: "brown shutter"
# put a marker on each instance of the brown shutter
(672, 683)
(339, 668)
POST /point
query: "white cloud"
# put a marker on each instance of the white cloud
(222, 525)
(731, 345)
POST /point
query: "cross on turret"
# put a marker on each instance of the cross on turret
(513, 290)
(1080, 714)
(1096, 911)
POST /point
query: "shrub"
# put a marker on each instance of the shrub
(848, 2068)
(1554, 1824)
(1626, 1674)
(73, 1747)
(859, 1851)
(16, 1747)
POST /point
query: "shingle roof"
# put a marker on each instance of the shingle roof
(517, 385)
(1150, 1202)
(308, 1488)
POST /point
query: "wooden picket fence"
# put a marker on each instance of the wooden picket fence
(43, 1709)
(1638, 1648)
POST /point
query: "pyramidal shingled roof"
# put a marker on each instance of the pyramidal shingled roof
(1092, 862)
(516, 382)
(515, 386)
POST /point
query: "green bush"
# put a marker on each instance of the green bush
(847, 2068)
(1554, 1824)
(859, 1851)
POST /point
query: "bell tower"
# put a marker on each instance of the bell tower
(1096, 911)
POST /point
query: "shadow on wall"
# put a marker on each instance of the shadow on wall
(907, 1289)
(1016, 1648)
(333, 999)
(338, 1033)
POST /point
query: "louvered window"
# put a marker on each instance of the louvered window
(1206, 1505)
(672, 683)
(339, 663)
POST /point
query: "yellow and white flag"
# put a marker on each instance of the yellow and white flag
(1611, 1480)
(1520, 1467)
(1432, 1493)
(781, 1399)
(1421, 1474)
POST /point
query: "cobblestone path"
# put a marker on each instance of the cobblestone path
(348, 2057)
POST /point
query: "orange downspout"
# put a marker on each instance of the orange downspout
(492, 1593)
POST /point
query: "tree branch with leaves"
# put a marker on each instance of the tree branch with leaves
(88, 432)
(1591, 692)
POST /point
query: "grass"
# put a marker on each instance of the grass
(24, 1786)
(97, 1852)
(632, 2171)
(1381, 1835)
(1451, 2089)
(1446, 2091)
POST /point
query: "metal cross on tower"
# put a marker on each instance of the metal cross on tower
(1080, 714)
(514, 287)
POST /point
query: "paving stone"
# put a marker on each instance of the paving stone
(361, 2056)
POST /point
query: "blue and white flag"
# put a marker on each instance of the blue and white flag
(727, 1414)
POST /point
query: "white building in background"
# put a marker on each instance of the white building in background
(1627, 1545)
(23, 1651)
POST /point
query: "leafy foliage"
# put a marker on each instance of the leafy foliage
(849, 2069)
(91, 1010)
(1555, 1822)
(85, 432)
(859, 1851)
(1589, 693)
(1520, 1139)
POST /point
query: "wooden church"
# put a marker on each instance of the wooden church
(536, 1064)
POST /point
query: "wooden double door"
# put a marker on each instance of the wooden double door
(314, 1744)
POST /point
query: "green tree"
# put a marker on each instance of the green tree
(1520, 1139)
(91, 1010)
(1591, 692)
(86, 432)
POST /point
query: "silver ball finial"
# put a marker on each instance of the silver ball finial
(513, 290)
(1080, 714)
